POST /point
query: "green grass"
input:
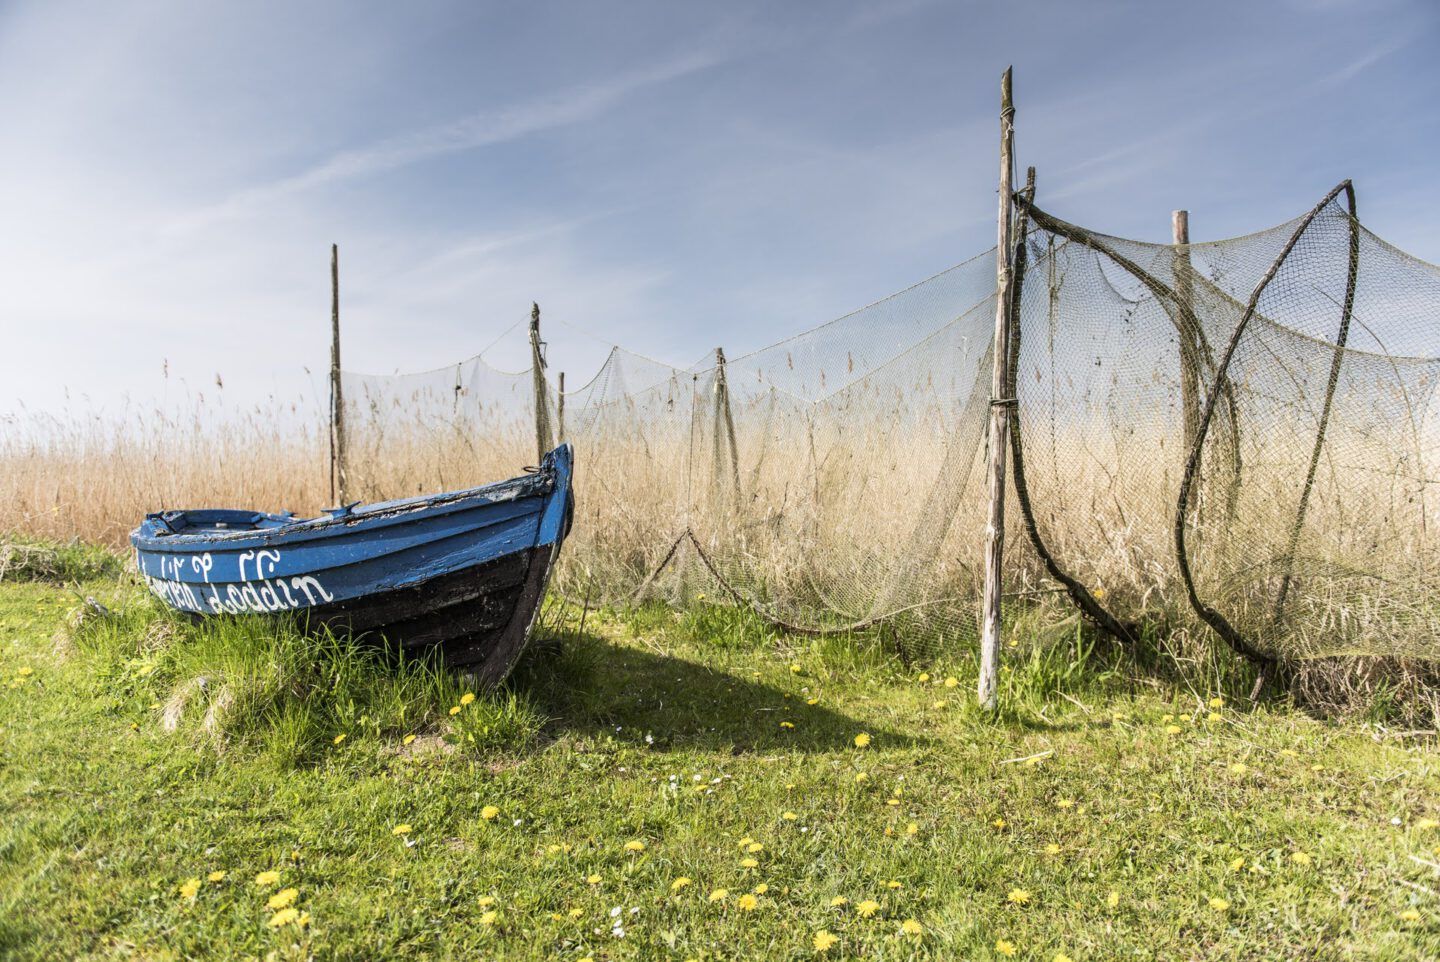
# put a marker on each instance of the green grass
(674, 731)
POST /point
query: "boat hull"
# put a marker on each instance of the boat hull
(464, 571)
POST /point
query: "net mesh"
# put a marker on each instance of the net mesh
(1242, 429)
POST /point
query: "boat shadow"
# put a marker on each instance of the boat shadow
(590, 686)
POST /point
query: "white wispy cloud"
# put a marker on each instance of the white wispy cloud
(482, 129)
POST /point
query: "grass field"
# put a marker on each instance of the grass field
(677, 786)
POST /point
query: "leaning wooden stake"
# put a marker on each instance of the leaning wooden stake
(543, 439)
(339, 481)
(999, 419)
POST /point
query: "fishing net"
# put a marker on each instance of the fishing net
(1245, 425)
(1241, 430)
(440, 430)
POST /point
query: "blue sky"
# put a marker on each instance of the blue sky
(665, 175)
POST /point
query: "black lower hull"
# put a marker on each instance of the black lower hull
(479, 617)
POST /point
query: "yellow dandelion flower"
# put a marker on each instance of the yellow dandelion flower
(795, 669)
(1065, 803)
(861, 777)
(1236, 864)
(892, 802)
(1172, 729)
(576, 913)
(867, 908)
(679, 883)
(407, 739)
(813, 700)
(999, 823)
(1219, 904)
(1034, 760)
(747, 902)
(862, 740)
(952, 682)
(485, 901)
(1238, 768)
(892, 884)
(786, 724)
(282, 899)
(823, 940)
(838, 901)
(402, 829)
(1426, 824)
(1301, 858)
(1062, 957)
(1018, 897)
(489, 813)
(1217, 702)
(719, 895)
(1005, 948)
(267, 878)
(912, 928)
(912, 829)
(940, 704)
(338, 739)
(1113, 899)
(455, 709)
(754, 847)
(1052, 849)
(303, 919)
(467, 698)
(761, 889)
(789, 816)
(190, 888)
(592, 879)
(216, 876)
(924, 677)
(749, 863)
(1410, 915)
(489, 918)
(635, 846)
(283, 917)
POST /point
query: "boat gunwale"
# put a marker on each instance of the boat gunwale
(379, 514)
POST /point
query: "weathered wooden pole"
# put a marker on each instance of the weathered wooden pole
(339, 480)
(560, 410)
(1189, 337)
(543, 440)
(999, 418)
(725, 426)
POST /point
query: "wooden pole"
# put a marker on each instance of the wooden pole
(999, 418)
(543, 441)
(560, 410)
(725, 428)
(339, 480)
(1189, 337)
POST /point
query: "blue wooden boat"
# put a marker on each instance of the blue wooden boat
(465, 571)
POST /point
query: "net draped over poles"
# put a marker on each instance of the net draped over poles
(1242, 432)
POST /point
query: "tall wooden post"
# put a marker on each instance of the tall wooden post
(999, 418)
(543, 439)
(560, 410)
(725, 428)
(339, 481)
(1189, 337)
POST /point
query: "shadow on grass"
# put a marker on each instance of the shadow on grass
(589, 686)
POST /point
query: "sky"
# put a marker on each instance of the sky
(669, 176)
